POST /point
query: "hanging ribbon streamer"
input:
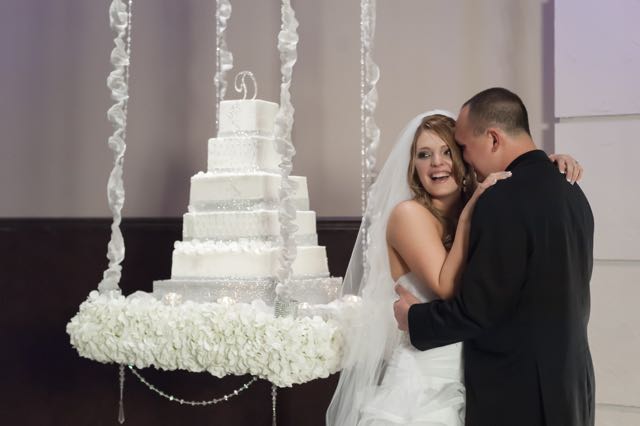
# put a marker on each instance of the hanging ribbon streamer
(369, 131)
(224, 58)
(287, 42)
(118, 82)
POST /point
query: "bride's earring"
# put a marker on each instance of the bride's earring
(464, 184)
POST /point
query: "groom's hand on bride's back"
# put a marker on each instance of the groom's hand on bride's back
(402, 305)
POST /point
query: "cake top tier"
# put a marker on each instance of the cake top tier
(247, 117)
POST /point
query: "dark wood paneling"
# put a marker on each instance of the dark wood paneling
(48, 268)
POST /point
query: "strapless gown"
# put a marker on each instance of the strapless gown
(418, 387)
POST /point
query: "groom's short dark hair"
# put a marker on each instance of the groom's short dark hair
(499, 107)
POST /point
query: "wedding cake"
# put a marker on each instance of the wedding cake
(231, 232)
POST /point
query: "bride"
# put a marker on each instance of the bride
(419, 215)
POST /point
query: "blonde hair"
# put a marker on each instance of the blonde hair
(443, 127)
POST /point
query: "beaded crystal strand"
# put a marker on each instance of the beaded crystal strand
(192, 403)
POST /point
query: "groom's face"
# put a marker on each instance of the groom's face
(476, 148)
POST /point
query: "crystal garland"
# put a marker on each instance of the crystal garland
(187, 402)
(224, 58)
(287, 42)
(369, 131)
(118, 81)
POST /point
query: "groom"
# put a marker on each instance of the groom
(523, 305)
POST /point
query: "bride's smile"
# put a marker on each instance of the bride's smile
(440, 177)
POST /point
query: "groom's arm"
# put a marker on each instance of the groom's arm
(491, 283)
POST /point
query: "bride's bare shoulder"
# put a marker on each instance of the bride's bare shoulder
(411, 214)
(410, 209)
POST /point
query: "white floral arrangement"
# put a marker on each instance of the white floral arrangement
(220, 338)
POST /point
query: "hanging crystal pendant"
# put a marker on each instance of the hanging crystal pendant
(121, 404)
(274, 395)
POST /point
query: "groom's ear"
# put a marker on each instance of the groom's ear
(495, 138)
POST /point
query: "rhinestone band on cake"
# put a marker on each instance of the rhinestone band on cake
(313, 291)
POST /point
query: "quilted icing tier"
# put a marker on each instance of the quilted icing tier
(242, 259)
(231, 225)
(253, 116)
(249, 153)
(242, 191)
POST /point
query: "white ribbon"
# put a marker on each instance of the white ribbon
(224, 58)
(287, 42)
(118, 81)
(369, 131)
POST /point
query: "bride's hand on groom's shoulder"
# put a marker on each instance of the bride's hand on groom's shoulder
(402, 305)
(488, 182)
(569, 166)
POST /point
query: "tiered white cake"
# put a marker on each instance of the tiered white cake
(231, 234)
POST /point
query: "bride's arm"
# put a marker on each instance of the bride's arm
(414, 233)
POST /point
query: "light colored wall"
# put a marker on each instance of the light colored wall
(598, 119)
(54, 159)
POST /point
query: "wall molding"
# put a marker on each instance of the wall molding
(597, 118)
(617, 407)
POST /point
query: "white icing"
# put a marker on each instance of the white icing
(243, 153)
(225, 225)
(254, 115)
(242, 245)
(261, 187)
(231, 233)
(242, 259)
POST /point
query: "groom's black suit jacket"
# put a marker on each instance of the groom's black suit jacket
(524, 301)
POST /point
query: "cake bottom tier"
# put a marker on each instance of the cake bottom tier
(309, 290)
(244, 259)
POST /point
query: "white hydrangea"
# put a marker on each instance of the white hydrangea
(220, 338)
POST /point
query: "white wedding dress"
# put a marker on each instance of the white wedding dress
(418, 387)
(384, 379)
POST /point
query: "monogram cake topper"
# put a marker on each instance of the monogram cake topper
(240, 84)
